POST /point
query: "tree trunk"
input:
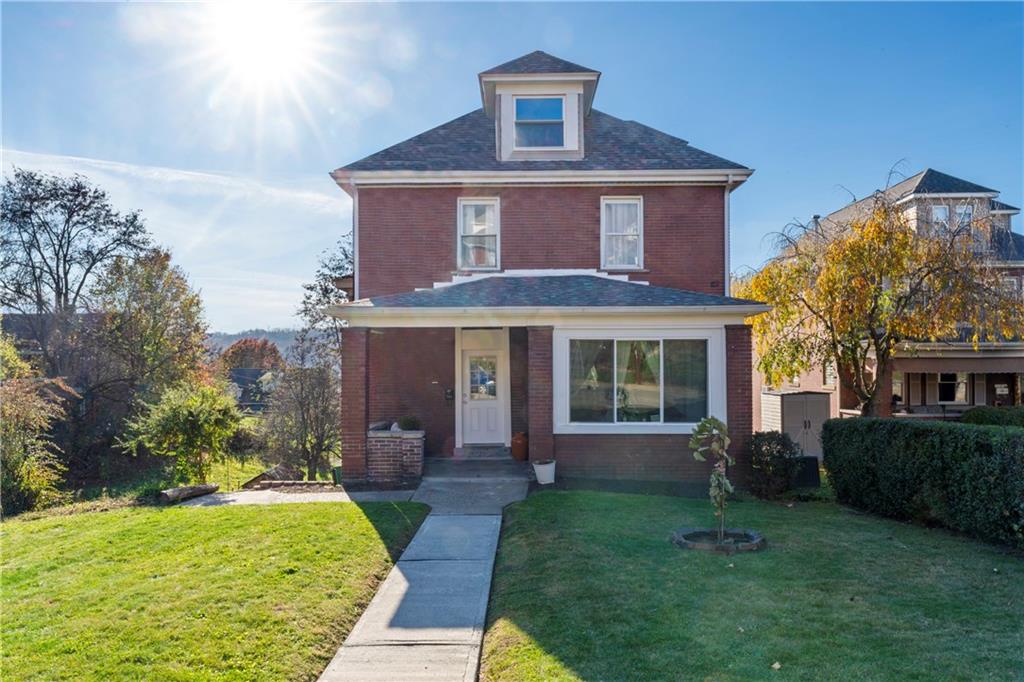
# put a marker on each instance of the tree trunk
(869, 408)
(311, 471)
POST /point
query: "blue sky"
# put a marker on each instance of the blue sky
(162, 105)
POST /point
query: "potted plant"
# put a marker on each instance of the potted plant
(544, 470)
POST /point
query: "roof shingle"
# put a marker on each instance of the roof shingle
(537, 61)
(549, 291)
(467, 144)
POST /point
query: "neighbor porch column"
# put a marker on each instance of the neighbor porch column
(539, 400)
(354, 395)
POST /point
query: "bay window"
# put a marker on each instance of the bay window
(479, 234)
(622, 232)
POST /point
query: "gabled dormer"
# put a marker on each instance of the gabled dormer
(538, 104)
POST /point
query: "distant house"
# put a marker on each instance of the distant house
(540, 266)
(252, 387)
(936, 380)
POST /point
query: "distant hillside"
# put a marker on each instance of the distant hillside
(282, 338)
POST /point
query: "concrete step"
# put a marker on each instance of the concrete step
(445, 467)
(499, 452)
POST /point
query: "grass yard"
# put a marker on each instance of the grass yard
(588, 586)
(180, 594)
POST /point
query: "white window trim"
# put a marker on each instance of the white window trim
(967, 388)
(517, 148)
(618, 199)
(717, 389)
(492, 201)
(935, 223)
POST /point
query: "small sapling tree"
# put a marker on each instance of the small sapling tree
(711, 438)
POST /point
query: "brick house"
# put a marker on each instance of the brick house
(539, 266)
(940, 380)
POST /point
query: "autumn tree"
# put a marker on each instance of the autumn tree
(56, 235)
(325, 290)
(252, 353)
(852, 291)
(303, 422)
(30, 470)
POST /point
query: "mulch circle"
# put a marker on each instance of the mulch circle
(706, 539)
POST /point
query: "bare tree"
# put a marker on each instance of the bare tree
(325, 290)
(303, 422)
(55, 235)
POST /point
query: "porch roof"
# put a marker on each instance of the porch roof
(551, 295)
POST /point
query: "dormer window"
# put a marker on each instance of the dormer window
(540, 122)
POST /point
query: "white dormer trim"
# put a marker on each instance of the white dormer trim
(506, 94)
(489, 82)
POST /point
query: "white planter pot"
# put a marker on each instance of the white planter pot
(545, 472)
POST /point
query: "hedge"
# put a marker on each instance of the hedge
(996, 416)
(966, 477)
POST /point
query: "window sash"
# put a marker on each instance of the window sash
(959, 383)
(525, 121)
(614, 414)
(479, 241)
(622, 232)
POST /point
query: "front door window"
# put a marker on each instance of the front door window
(483, 377)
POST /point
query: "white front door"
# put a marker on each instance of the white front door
(483, 397)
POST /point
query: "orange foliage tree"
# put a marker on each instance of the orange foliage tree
(252, 353)
(852, 292)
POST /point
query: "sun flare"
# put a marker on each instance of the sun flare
(262, 45)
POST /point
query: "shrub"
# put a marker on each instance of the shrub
(996, 416)
(966, 477)
(775, 461)
(249, 439)
(29, 470)
(409, 423)
(192, 423)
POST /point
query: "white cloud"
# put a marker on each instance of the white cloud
(247, 244)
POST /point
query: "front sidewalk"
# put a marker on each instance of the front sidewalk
(427, 620)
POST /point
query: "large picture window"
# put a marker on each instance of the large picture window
(953, 387)
(654, 381)
(478, 234)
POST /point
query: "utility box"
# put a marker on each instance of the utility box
(801, 414)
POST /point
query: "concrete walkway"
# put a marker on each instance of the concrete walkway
(426, 621)
(278, 497)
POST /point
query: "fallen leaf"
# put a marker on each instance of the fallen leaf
(776, 665)
(740, 629)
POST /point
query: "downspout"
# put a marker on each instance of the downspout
(728, 229)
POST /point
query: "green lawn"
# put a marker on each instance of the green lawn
(176, 594)
(588, 586)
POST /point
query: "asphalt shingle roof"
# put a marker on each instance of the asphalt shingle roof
(538, 61)
(547, 291)
(931, 181)
(1007, 246)
(1000, 206)
(467, 144)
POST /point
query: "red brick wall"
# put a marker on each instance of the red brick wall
(353, 403)
(539, 398)
(392, 457)
(667, 457)
(407, 235)
(409, 372)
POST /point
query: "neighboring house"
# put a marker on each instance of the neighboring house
(937, 380)
(540, 266)
(252, 387)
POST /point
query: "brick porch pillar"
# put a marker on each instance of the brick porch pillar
(539, 400)
(739, 371)
(354, 400)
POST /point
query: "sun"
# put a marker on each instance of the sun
(262, 45)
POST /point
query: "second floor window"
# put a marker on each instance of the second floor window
(964, 217)
(622, 232)
(540, 122)
(940, 219)
(478, 234)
